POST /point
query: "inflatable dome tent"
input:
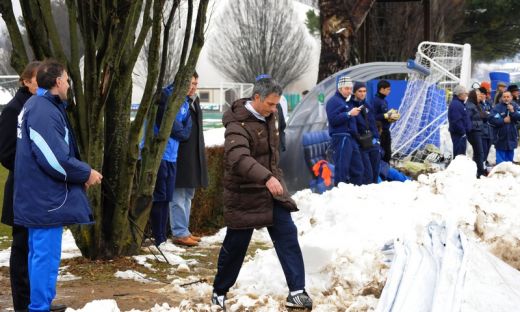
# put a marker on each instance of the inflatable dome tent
(310, 115)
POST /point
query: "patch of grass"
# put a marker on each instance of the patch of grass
(4, 229)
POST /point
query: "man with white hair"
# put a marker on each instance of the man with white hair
(459, 120)
(348, 165)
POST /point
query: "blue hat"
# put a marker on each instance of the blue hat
(358, 85)
(263, 76)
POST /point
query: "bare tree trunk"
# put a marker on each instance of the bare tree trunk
(340, 20)
(101, 117)
(19, 59)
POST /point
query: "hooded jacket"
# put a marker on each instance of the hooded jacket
(251, 157)
(49, 186)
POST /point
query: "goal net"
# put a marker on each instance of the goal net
(424, 106)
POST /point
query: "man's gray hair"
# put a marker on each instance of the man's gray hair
(266, 86)
(458, 90)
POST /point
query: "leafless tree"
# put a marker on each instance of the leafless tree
(255, 37)
(177, 28)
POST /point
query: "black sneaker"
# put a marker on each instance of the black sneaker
(299, 301)
(219, 301)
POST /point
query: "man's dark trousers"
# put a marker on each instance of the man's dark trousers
(284, 235)
(18, 268)
(386, 144)
(18, 261)
(459, 144)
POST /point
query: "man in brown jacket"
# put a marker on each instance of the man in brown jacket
(255, 194)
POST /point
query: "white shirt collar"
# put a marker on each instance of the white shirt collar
(250, 108)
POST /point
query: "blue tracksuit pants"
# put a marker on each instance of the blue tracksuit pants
(44, 262)
(348, 165)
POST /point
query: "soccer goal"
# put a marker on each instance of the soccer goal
(425, 104)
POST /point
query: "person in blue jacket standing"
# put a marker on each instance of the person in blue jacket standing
(504, 117)
(366, 123)
(165, 183)
(348, 166)
(459, 120)
(50, 181)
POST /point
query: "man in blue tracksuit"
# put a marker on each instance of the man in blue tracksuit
(50, 183)
(348, 166)
(165, 183)
(504, 117)
(459, 121)
(366, 123)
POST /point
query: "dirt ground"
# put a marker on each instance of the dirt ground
(98, 281)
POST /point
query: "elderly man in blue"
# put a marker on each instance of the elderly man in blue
(49, 189)
(504, 117)
(459, 120)
(165, 183)
(348, 166)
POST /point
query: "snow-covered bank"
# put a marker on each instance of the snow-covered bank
(343, 231)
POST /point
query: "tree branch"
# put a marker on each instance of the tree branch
(19, 57)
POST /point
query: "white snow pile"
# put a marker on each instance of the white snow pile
(214, 137)
(342, 233)
(134, 275)
(106, 305)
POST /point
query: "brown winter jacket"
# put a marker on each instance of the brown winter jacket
(251, 157)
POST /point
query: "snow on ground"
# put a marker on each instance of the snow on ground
(342, 231)
(133, 275)
(214, 137)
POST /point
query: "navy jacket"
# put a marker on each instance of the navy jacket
(181, 128)
(337, 114)
(49, 186)
(474, 116)
(506, 135)
(458, 118)
(8, 121)
(367, 114)
(380, 106)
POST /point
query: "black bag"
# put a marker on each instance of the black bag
(365, 140)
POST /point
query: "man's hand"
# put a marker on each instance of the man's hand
(510, 108)
(507, 120)
(274, 186)
(95, 178)
(355, 111)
